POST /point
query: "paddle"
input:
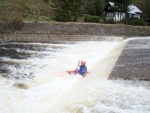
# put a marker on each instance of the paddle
(76, 70)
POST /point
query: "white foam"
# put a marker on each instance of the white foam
(54, 91)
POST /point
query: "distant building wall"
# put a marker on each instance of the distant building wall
(117, 16)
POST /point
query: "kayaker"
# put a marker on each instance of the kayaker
(83, 69)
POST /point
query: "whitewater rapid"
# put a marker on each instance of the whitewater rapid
(52, 90)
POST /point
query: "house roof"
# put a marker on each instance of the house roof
(111, 3)
(133, 9)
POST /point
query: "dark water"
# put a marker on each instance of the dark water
(14, 57)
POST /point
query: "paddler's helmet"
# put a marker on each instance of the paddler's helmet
(83, 62)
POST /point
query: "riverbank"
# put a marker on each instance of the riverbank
(91, 29)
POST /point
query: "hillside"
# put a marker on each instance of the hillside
(42, 10)
(28, 10)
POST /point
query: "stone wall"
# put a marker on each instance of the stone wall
(134, 61)
(56, 37)
(85, 29)
(72, 31)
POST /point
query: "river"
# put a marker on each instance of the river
(41, 67)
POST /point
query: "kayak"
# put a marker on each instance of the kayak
(74, 72)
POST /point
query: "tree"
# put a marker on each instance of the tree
(89, 7)
(122, 5)
(67, 10)
(61, 10)
(146, 8)
(98, 8)
(93, 7)
(76, 8)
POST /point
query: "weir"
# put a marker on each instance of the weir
(52, 38)
(40, 70)
(134, 61)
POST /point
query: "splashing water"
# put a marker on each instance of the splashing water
(52, 90)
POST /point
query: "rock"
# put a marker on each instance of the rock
(17, 77)
(5, 75)
(20, 85)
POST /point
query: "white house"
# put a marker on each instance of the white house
(134, 12)
(110, 12)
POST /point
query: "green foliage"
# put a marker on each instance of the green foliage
(33, 18)
(134, 22)
(64, 10)
(76, 9)
(122, 5)
(89, 7)
(46, 19)
(61, 10)
(46, 0)
(90, 18)
(67, 10)
(93, 7)
(98, 8)
(146, 8)
(108, 21)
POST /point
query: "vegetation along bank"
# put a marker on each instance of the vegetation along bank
(71, 17)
